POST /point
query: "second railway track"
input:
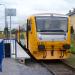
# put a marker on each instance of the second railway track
(58, 68)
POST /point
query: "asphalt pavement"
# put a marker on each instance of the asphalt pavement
(12, 67)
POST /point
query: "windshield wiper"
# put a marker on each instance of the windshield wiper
(57, 30)
(44, 31)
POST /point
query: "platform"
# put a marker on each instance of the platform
(9, 67)
(17, 51)
(21, 53)
(12, 67)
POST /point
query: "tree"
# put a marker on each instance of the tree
(6, 32)
(13, 31)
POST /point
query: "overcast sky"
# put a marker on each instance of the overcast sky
(28, 7)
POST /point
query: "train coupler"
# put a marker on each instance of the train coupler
(44, 54)
(62, 53)
(52, 51)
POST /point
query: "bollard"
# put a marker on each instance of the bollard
(0, 65)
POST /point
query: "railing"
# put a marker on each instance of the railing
(12, 47)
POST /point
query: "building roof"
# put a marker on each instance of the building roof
(71, 12)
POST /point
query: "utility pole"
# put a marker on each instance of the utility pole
(10, 27)
(10, 12)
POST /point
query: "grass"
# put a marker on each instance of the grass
(73, 45)
(71, 60)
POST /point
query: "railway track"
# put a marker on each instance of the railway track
(58, 68)
(55, 68)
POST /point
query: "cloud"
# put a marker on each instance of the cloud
(27, 7)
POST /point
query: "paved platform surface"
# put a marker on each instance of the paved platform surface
(12, 67)
(9, 67)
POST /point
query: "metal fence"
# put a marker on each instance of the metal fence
(13, 50)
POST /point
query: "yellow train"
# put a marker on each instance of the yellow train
(47, 36)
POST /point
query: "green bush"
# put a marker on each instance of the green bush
(73, 46)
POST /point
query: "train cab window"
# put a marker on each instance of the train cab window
(51, 24)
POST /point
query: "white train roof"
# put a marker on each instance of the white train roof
(51, 14)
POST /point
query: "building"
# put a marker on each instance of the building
(72, 16)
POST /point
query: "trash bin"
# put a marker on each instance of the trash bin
(1, 54)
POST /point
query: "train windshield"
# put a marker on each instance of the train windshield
(51, 24)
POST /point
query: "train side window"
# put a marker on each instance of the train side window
(28, 25)
(25, 27)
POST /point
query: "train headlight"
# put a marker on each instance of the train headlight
(66, 46)
(41, 47)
